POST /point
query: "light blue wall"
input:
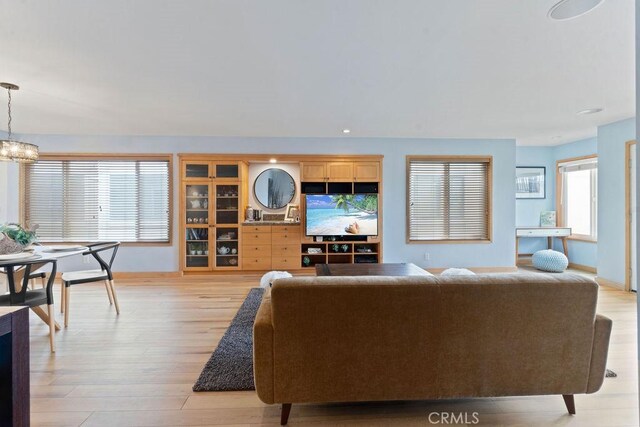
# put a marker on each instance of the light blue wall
(499, 253)
(528, 210)
(583, 147)
(611, 198)
(582, 253)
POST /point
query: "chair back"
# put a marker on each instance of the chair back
(19, 296)
(96, 249)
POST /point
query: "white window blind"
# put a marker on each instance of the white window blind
(86, 200)
(449, 199)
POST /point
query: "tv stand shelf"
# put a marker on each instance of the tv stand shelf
(340, 252)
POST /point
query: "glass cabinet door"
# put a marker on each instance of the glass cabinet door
(226, 171)
(198, 221)
(227, 207)
(197, 248)
(198, 170)
(227, 213)
(227, 249)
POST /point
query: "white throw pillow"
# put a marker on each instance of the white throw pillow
(457, 272)
(269, 277)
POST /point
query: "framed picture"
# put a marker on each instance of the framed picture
(293, 212)
(548, 219)
(530, 182)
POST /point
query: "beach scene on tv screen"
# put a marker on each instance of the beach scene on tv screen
(342, 214)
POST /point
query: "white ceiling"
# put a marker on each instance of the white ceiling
(394, 68)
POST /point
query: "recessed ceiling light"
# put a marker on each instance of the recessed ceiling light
(589, 111)
(346, 131)
(273, 161)
(568, 9)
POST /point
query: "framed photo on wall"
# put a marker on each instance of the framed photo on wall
(531, 182)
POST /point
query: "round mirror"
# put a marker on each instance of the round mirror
(274, 188)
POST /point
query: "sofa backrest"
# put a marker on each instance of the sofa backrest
(379, 338)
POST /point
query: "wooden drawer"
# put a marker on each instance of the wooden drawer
(543, 232)
(256, 228)
(286, 250)
(286, 228)
(252, 238)
(256, 251)
(256, 263)
(286, 263)
(286, 238)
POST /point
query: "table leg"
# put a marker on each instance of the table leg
(549, 242)
(517, 244)
(565, 246)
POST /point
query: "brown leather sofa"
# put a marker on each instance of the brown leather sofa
(347, 339)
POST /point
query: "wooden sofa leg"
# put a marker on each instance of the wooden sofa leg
(571, 404)
(284, 415)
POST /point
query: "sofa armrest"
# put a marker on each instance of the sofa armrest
(599, 352)
(263, 352)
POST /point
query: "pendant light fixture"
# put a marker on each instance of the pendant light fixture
(10, 150)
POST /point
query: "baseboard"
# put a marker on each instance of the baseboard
(145, 274)
(140, 275)
(479, 270)
(610, 283)
(586, 268)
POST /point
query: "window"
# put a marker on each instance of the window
(579, 196)
(449, 199)
(82, 198)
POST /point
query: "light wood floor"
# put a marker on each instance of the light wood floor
(138, 369)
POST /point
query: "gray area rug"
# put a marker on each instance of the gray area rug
(230, 367)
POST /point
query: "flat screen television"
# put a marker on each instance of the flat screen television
(341, 214)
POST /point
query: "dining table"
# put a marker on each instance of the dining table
(37, 257)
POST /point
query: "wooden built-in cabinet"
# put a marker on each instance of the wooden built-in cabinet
(313, 171)
(214, 193)
(271, 247)
(212, 197)
(340, 171)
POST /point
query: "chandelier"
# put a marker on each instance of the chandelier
(11, 150)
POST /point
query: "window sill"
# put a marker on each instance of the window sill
(582, 239)
(121, 243)
(453, 242)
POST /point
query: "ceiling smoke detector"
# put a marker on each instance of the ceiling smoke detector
(569, 9)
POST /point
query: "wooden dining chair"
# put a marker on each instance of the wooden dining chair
(91, 276)
(32, 298)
